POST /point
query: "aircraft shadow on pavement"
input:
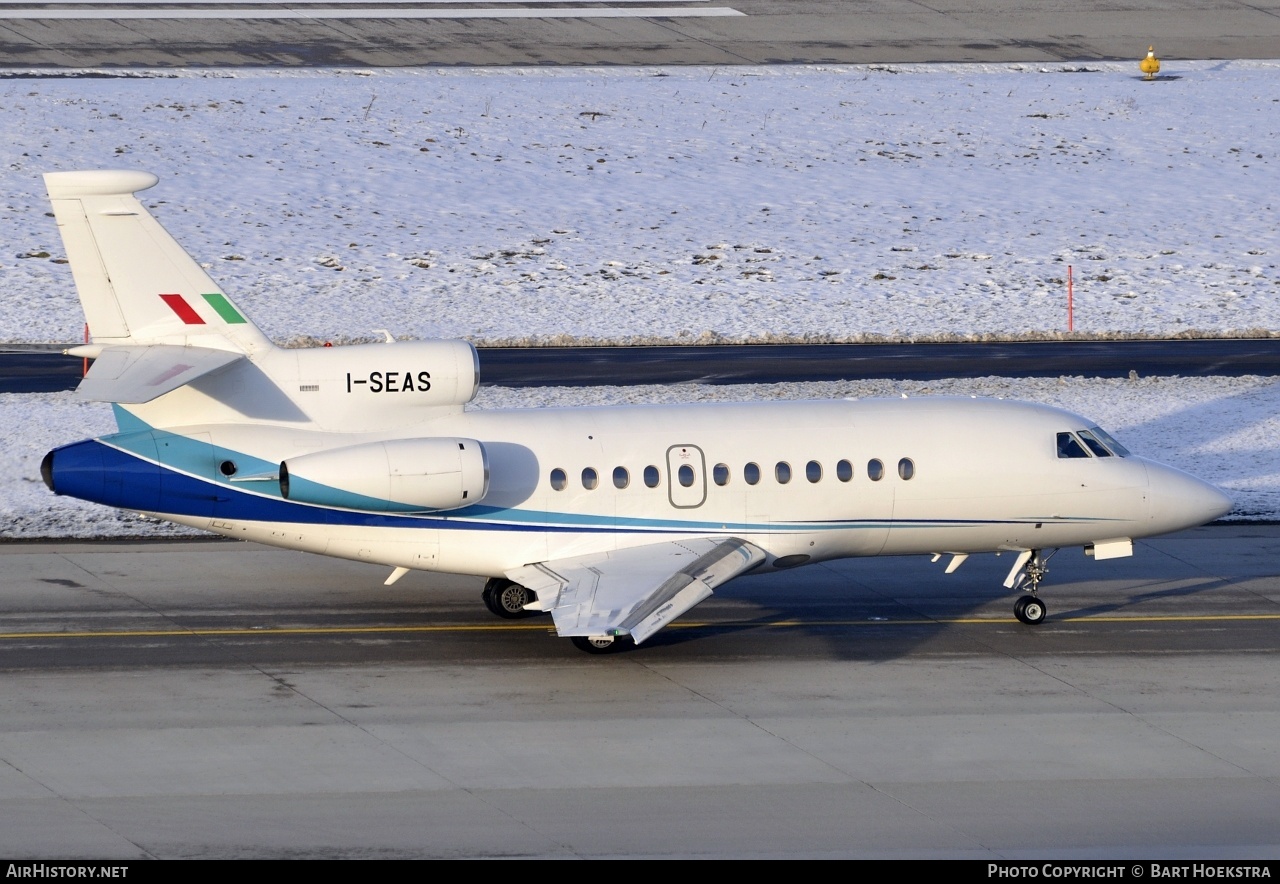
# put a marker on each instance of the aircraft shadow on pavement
(881, 609)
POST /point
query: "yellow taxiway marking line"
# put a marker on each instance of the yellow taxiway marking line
(997, 621)
(546, 627)
(268, 630)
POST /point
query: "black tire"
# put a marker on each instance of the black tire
(1030, 610)
(599, 646)
(507, 599)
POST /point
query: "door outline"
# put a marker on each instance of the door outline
(693, 496)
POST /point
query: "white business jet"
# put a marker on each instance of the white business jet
(613, 520)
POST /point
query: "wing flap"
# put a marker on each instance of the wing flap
(135, 374)
(635, 591)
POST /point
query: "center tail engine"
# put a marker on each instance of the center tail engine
(397, 476)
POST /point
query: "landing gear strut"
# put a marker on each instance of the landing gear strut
(507, 599)
(1028, 571)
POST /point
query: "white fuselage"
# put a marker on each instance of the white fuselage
(976, 475)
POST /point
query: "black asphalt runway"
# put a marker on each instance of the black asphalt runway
(768, 363)
(47, 370)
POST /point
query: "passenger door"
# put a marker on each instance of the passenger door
(686, 476)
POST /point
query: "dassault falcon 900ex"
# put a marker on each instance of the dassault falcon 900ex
(614, 520)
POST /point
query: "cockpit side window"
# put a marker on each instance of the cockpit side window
(1069, 446)
(1108, 440)
(1098, 449)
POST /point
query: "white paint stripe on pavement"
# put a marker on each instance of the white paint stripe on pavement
(390, 12)
(27, 4)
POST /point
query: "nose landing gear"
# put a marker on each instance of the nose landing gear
(1028, 571)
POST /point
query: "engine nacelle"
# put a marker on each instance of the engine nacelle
(410, 372)
(369, 387)
(402, 475)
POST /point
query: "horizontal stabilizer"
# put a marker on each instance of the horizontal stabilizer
(131, 375)
(635, 591)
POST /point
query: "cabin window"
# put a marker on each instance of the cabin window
(751, 473)
(590, 479)
(621, 479)
(875, 470)
(1069, 446)
(1110, 441)
(782, 472)
(813, 471)
(906, 469)
(685, 474)
(844, 471)
(652, 477)
(720, 472)
(558, 479)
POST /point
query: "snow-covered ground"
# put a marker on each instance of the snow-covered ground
(647, 205)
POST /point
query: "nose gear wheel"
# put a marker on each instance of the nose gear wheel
(1030, 610)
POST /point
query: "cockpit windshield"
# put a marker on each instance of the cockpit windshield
(1098, 449)
(1109, 441)
(1093, 442)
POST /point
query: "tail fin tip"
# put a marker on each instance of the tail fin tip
(97, 182)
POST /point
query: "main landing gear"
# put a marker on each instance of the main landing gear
(507, 599)
(601, 644)
(1027, 572)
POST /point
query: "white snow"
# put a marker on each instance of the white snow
(647, 204)
(687, 204)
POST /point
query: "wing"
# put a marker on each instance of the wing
(133, 374)
(635, 591)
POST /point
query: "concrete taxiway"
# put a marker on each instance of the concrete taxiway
(215, 699)
(361, 34)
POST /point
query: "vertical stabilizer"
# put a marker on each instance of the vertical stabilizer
(136, 284)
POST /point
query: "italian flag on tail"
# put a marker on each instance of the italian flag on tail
(179, 305)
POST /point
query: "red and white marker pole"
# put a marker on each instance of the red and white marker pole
(1071, 325)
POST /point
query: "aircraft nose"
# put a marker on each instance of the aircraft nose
(1180, 500)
